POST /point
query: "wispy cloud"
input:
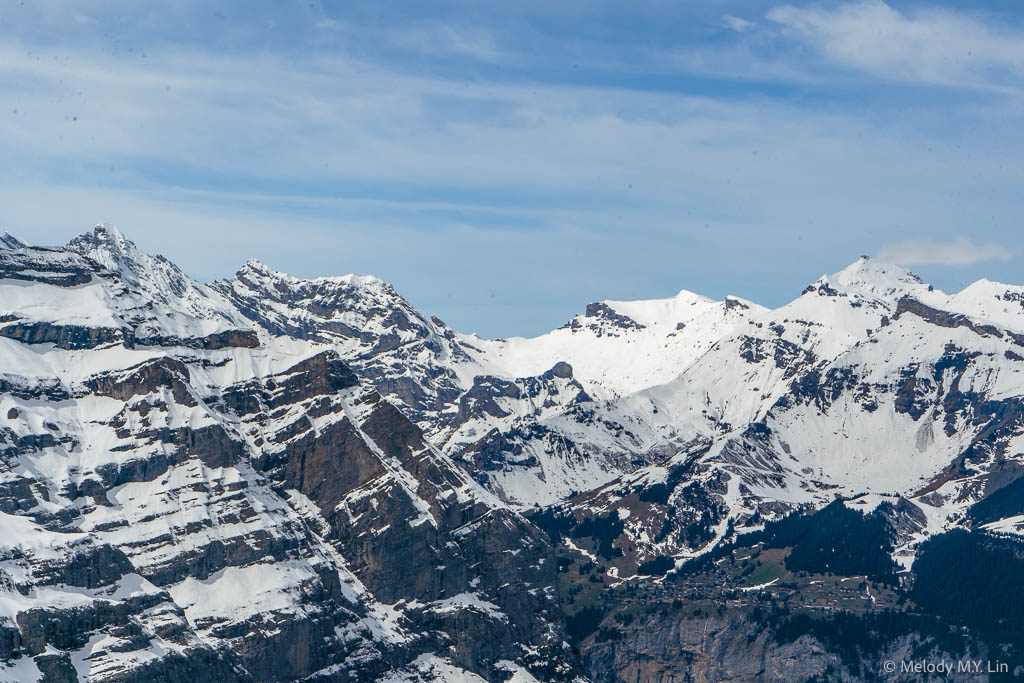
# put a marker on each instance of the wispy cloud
(960, 251)
(930, 45)
(737, 24)
(335, 120)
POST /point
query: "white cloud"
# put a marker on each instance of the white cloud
(736, 23)
(960, 251)
(929, 45)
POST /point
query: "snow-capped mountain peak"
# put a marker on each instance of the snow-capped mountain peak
(661, 312)
(996, 302)
(110, 248)
(9, 241)
(259, 269)
(153, 276)
(872, 280)
(344, 305)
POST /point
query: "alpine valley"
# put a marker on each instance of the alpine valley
(269, 478)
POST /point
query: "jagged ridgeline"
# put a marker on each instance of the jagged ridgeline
(269, 478)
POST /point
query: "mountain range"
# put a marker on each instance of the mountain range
(274, 478)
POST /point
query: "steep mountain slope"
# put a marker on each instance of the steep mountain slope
(406, 355)
(185, 496)
(473, 396)
(923, 411)
(746, 358)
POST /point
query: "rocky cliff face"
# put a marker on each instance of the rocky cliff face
(245, 509)
(672, 646)
(405, 355)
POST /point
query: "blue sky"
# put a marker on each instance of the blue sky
(504, 163)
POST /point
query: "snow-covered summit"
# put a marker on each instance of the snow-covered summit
(656, 312)
(100, 289)
(254, 268)
(345, 308)
(108, 247)
(873, 281)
(9, 241)
(152, 276)
(995, 302)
